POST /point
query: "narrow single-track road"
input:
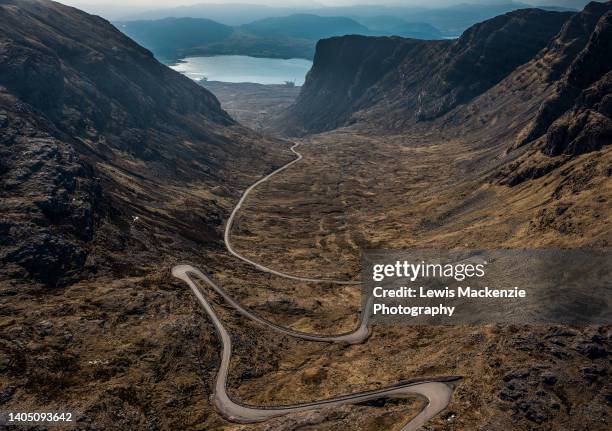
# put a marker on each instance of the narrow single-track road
(437, 391)
(230, 222)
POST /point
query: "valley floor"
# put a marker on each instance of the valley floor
(358, 190)
(254, 105)
(354, 192)
(138, 352)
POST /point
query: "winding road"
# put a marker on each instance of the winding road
(438, 391)
(230, 222)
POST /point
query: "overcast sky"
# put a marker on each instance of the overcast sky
(116, 9)
(289, 3)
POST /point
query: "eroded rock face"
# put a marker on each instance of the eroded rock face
(485, 54)
(576, 118)
(344, 69)
(406, 80)
(579, 131)
(49, 198)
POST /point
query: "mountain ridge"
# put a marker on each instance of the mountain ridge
(579, 76)
(291, 36)
(428, 78)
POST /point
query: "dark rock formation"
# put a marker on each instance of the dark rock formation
(399, 81)
(485, 54)
(575, 114)
(49, 197)
(344, 68)
(587, 125)
(576, 118)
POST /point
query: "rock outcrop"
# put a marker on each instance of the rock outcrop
(576, 118)
(49, 198)
(343, 71)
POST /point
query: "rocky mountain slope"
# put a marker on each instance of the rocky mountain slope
(404, 80)
(550, 71)
(96, 134)
(576, 117)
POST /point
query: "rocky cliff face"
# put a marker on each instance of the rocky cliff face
(49, 197)
(409, 80)
(344, 69)
(573, 115)
(484, 55)
(95, 133)
(534, 79)
(576, 118)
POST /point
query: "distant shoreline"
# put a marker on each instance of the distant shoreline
(240, 68)
(177, 61)
(218, 83)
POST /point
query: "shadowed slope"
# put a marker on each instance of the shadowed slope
(95, 132)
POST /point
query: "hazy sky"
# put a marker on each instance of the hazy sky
(173, 3)
(288, 3)
(117, 9)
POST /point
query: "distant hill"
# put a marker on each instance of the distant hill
(392, 25)
(381, 22)
(171, 39)
(451, 20)
(167, 37)
(566, 4)
(305, 26)
(230, 14)
(293, 36)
